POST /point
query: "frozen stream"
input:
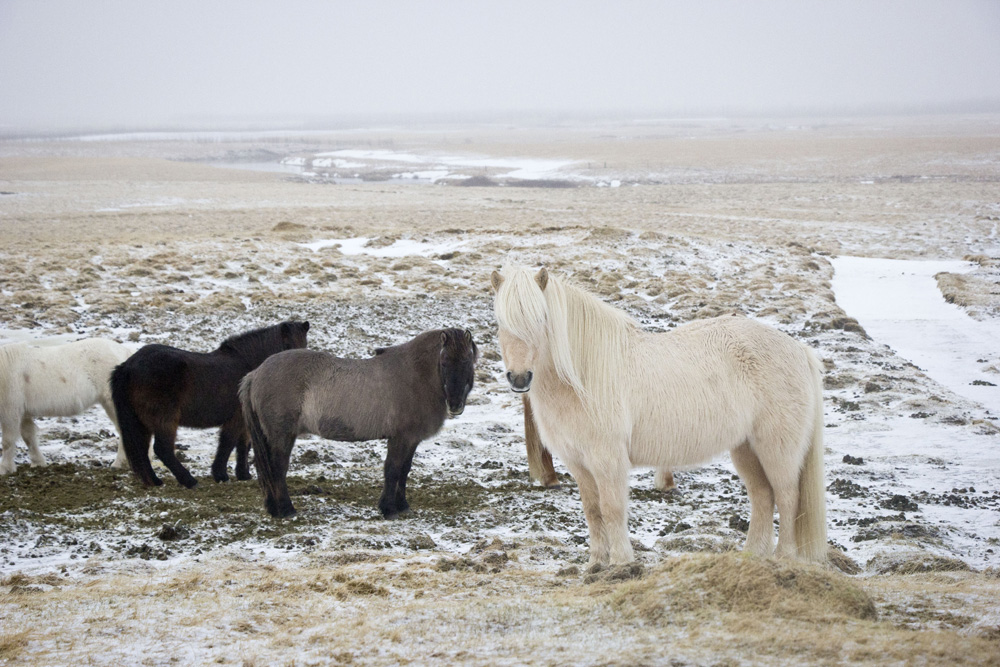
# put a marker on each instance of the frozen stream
(899, 304)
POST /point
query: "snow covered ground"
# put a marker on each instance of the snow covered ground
(913, 446)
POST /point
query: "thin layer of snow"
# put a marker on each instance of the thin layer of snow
(898, 303)
(519, 168)
(400, 248)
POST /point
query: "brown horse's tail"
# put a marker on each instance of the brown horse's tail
(810, 522)
(135, 434)
(539, 460)
(258, 440)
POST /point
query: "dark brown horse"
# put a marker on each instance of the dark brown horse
(160, 388)
(403, 394)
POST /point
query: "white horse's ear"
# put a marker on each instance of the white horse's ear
(542, 278)
(496, 280)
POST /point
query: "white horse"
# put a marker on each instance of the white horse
(608, 396)
(53, 381)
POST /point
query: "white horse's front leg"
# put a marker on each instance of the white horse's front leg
(29, 432)
(612, 484)
(592, 512)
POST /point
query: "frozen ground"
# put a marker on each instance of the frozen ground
(824, 232)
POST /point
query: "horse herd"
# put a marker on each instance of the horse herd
(606, 396)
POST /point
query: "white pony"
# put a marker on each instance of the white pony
(53, 381)
(608, 396)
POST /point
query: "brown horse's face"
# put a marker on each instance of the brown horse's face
(458, 368)
(519, 358)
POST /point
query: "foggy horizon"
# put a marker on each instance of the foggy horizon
(81, 65)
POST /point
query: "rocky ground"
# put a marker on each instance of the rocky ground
(146, 241)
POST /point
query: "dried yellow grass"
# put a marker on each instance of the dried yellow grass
(734, 582)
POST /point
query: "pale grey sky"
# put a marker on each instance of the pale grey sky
(147, 63)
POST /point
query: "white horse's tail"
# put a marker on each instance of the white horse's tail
(810, 521)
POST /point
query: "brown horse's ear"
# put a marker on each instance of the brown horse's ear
(496, 280)
(468, 336)
(305, 326)
(542, 278)
(444, 338)
(380, 350)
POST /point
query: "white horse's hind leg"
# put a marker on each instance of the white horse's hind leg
(11, 432)
(121, 460)
(29, 432)
(782, 466)
(760, 536)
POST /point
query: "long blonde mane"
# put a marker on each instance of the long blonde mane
(588, 340)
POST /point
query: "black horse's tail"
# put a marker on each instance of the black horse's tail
(261, 446)
(135, 435)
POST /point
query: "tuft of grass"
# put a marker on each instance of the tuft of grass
(13, 643)
(735, 582)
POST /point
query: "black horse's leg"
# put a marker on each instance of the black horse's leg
(163, 447)
(230, 437)
(397, 467)
(142, 466)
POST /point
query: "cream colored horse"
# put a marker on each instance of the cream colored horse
(607, 396)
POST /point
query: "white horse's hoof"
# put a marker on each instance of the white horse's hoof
(8, 469)
(39, 464)
(664, 480)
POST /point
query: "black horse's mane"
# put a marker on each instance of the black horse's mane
(255, 340)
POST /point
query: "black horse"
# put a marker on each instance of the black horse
(403, 394)
(160, 388)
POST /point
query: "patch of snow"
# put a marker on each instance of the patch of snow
(400, 248)
(518, 168)
(898, 303)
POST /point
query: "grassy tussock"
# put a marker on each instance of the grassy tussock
(731, 582)
(13, 643)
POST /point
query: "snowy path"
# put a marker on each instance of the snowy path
(899, 304)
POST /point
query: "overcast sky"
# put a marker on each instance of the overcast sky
(147, 63)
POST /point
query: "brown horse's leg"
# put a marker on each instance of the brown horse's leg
(398, 460)
(539, 459)
(231, 436)
(278, 502)
(163, 446)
